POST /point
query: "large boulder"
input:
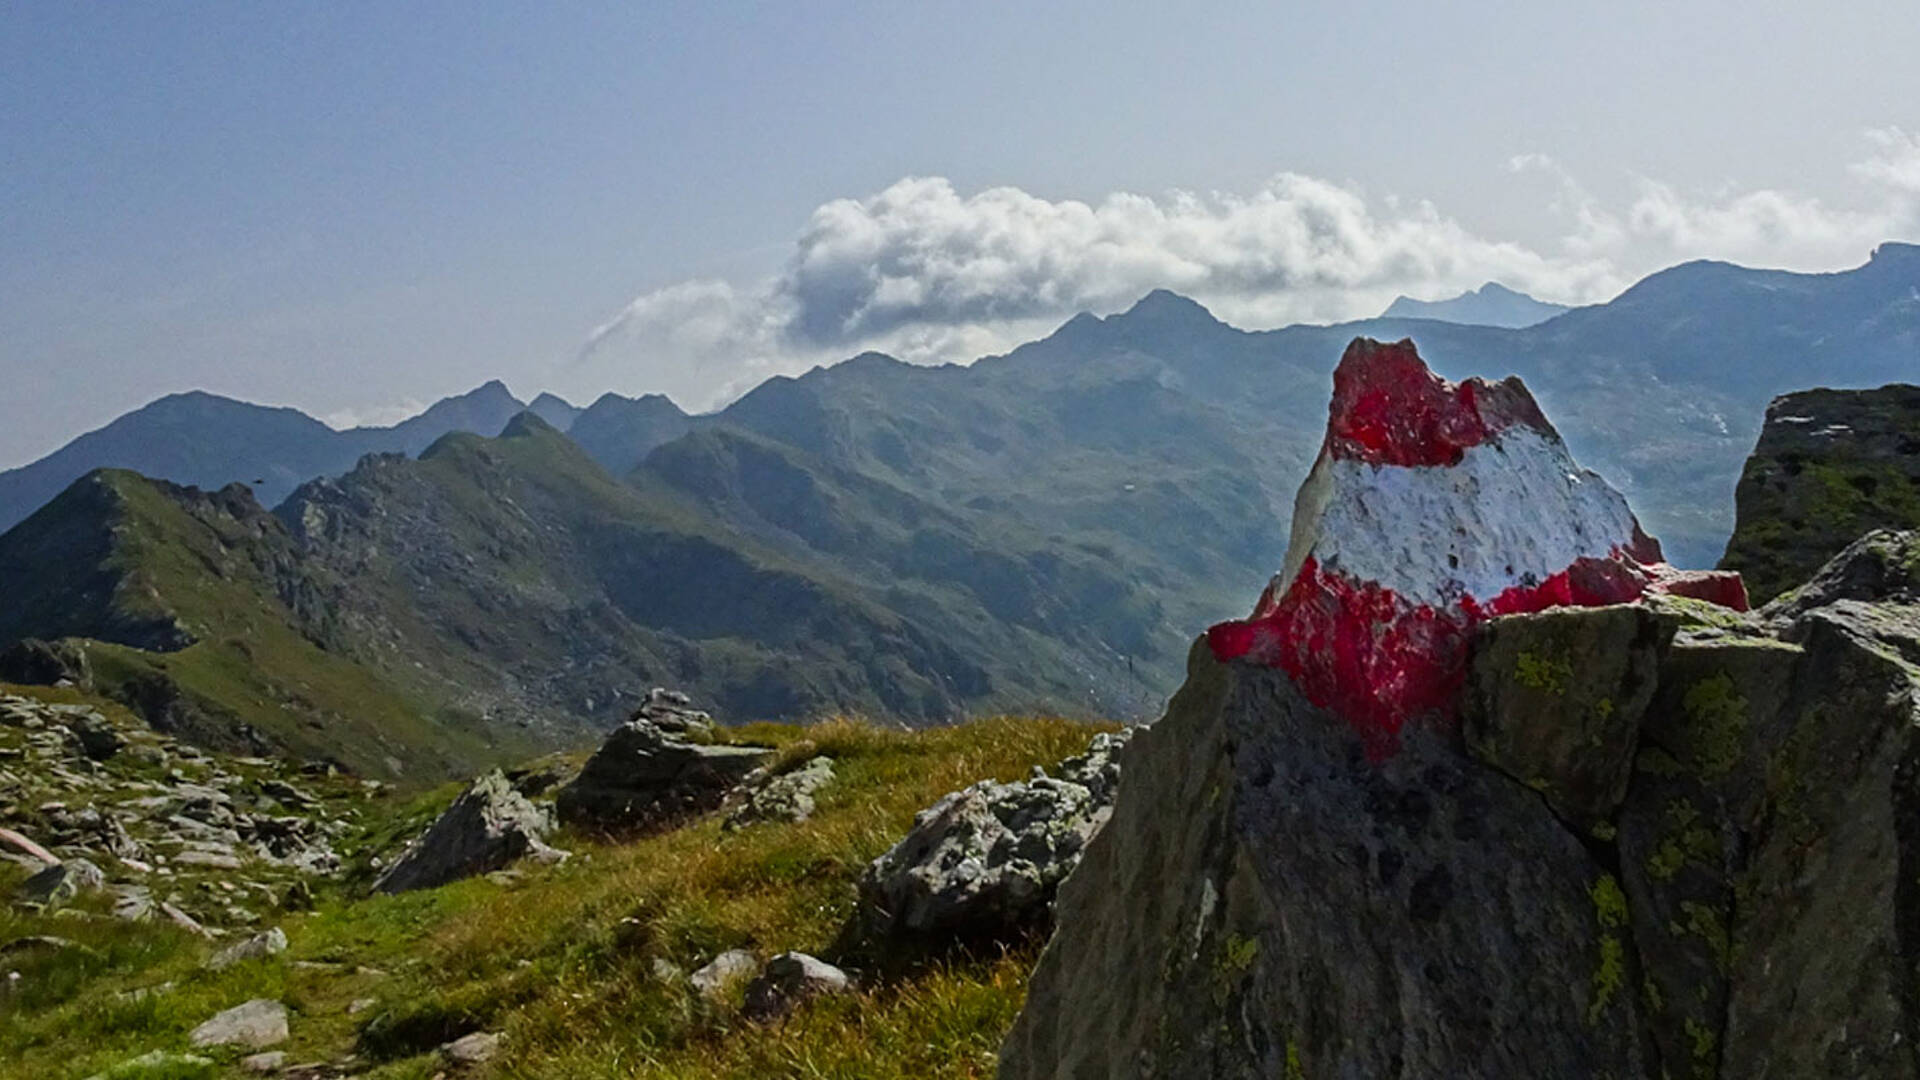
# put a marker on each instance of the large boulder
(1709, 875)
(1829, 466)
(488, 827)
(1431, 508)
(987, 859)
(655, 770)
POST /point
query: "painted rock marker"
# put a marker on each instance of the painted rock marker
(1431, 508)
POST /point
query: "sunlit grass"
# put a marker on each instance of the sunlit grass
(571, 962)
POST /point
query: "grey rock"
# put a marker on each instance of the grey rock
(132, 903)
(987, 859)
(183, 920)
(788, 979)
(258, 947)
(489, 826)
(723, 972)
(256, 1025)
(474, 1049)
(645, 776)
(1594, 669)
(787, 797)
(264, 1064)
(58, 884)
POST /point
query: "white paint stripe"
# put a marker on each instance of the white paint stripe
(1514, 511)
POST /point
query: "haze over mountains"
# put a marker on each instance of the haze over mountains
(1040, 529)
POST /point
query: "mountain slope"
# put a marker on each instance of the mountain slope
(619, 432)
(1492, 304)
(191, 603)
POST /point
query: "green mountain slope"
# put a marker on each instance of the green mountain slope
(188, 603)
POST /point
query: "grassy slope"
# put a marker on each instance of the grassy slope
(177, 556)
(563, 960)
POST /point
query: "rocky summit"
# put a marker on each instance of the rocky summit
(1431, 508)
(1661, 838)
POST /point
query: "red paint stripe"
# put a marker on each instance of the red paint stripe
(1368, 655)
(1388, 409)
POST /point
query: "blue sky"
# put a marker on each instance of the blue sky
(356, 208)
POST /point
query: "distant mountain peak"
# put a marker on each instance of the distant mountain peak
(1492, 304)
(1165, 305)
(527, 424)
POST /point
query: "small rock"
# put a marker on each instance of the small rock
(61, 883)
(25, 846)
(722, 972)
(471, 1049)
(258, 1024)
(265, 1064)
(786, 797)
(211, 860)
(360, 1005)
(789, 979)
(132, 903)
(183, 920)
(257, 947)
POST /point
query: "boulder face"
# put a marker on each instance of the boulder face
(1431, 508)
(986, 860)
(1736, 902)
(488, 827)
(1829, 466)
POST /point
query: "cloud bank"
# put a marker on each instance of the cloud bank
(931, 274)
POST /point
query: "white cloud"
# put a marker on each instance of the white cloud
(931, 274)
(374, 415)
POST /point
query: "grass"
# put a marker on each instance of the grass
(580, 965)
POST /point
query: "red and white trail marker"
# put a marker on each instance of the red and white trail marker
(1433, 507)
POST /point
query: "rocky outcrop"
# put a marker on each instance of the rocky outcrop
(1663, 839)
(1829, 466)
(987, 860)
(489, 827)
(657, 769)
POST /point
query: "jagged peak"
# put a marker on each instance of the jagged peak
(527, 424)
(1163, 305)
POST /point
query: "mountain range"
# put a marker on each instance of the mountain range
(1041, 529)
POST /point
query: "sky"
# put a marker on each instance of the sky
(358, 208)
